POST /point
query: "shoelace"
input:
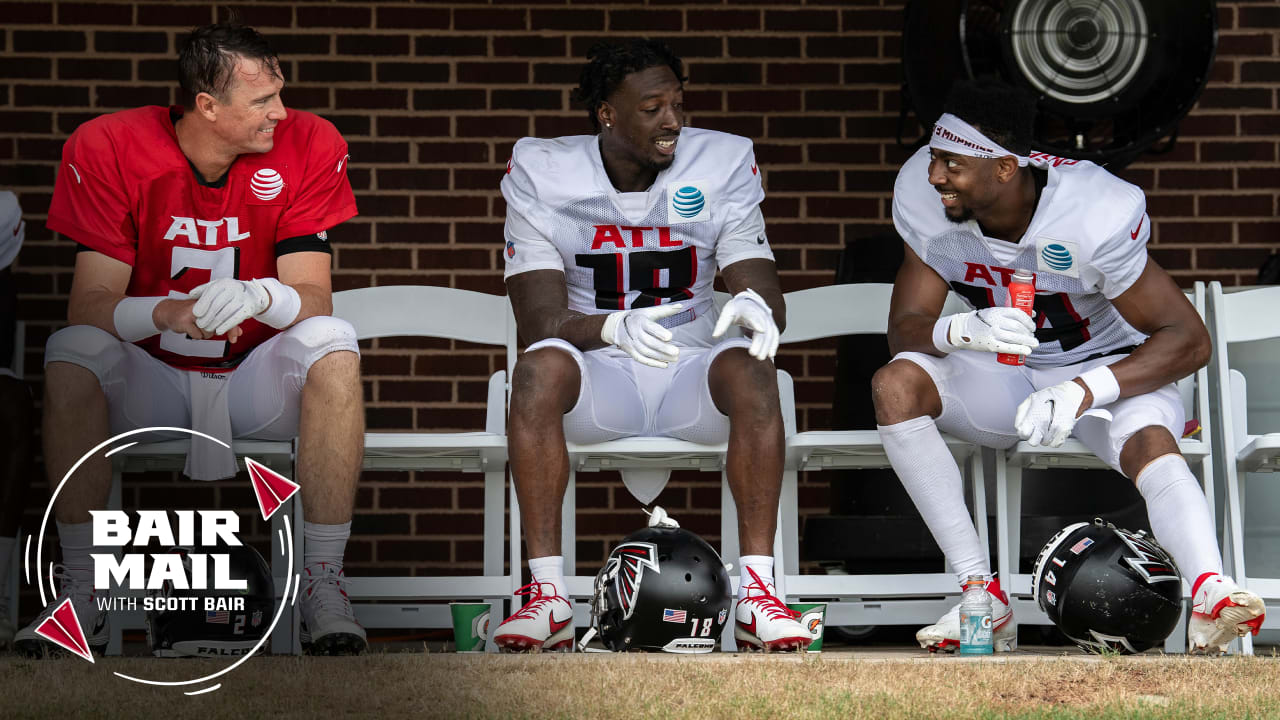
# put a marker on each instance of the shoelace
(530, 610)
(767, 601)
(80, 590)
(325, 590)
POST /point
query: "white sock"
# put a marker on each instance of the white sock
(761, 564)
(929, 473)
(1179, 516)
(76, 540)
(324, 543)
(550, 569)
(6, 552)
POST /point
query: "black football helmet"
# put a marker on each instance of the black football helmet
(1108, 588)
(661, 589)
(230, 628)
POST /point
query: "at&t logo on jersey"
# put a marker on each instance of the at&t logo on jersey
(1057, 256)
(687, 201)
(266, 184)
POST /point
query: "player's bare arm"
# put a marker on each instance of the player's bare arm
(99, 285)
(541, 304)
(762, 276)
(918, 296)
(1177, 344)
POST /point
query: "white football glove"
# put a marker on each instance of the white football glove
(1047, 416)
(226, 302)
(994, 329)
(638, 332)
(750, 311)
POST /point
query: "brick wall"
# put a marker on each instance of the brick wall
(431, 98)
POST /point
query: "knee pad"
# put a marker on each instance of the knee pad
(315, 337)
(87, 346)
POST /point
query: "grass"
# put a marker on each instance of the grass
(647, 686)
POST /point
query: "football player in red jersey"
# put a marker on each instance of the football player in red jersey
(201, 298)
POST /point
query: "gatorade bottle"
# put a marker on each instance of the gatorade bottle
(976, 631)
(1022, 295)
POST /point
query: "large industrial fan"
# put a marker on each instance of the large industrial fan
(1113, 77)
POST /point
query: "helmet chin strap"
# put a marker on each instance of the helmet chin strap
(660, 518)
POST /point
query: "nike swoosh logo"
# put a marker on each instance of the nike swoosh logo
(749, 627)
(558, 626)
(1134, 234)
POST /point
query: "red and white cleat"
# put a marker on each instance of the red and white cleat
(545, 623)
(764, 623)
(944, 635)
(1220, 612)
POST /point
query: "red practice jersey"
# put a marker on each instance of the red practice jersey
(126, 190)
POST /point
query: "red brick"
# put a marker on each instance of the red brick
(504, 73)
(468, 19)
(839, 46)
(1257, 178)
(804, 180)
(394, 206)
(1174, 179)
(707, 20)
(450, 418)
(493, 126)
(1223, 257)
(1259, 233)
(26, 13)
(1237, 205)
(372, 99)
(307, 98)
(1171, 258)
(413, 18)
(416, 498)
(311, 44)
(412, 179)
(750, 126)
(350, 125)
(334, 71)
(46, 41)
(764, 47)
(1197, 125)
(384, 365)
(414, 551)
(1245, 44)
(178, 16)
(374, 259)
(841, 100)
(1223, 152)
(27, 68)
(1265, 124)
(91, 14)
(364, 524)
(526, 46)
(825, 207)
(630, 21)
(450, 45)
(453, 152)
(479, 232)
(817, 73)
(452, 364)
(806, 126)
(564, 19)
(1180, 233)
(1235, 97)
(1266, 17)
(800, 20)
(397, 72)
(726, 73)
(373, 44)
(764, 101)
(412, 125)
(525, 100)
(558, 126)
(40, 149)
(772, 154)
(343, 17)
(54, 95)
(557, 73)
(776, 207)
(259, 16)
(864, 20)
(1265, 72)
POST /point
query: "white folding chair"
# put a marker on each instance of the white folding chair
(883, 599)
(1074, 455)
(438, 312)
(1246, 336)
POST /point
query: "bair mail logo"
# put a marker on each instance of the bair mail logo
(201, 590)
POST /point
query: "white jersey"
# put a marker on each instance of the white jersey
(1086, 244)
(630, 250)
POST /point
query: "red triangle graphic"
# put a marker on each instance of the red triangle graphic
(271, 488)
(63, 629)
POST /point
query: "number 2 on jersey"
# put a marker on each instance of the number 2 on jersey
(644, 272)
(221, 263)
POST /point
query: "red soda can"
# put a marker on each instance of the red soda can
(1022, 295)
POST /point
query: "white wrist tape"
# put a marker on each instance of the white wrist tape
(133, 318)
(942, 334)
(1102, 383)
(285, 304)
(609, 332)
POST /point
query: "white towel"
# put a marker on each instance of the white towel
(209, 414)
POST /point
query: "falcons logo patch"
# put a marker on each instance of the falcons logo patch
(1150, 561)
(628, 562)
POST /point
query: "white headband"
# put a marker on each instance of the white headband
(953, 135)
